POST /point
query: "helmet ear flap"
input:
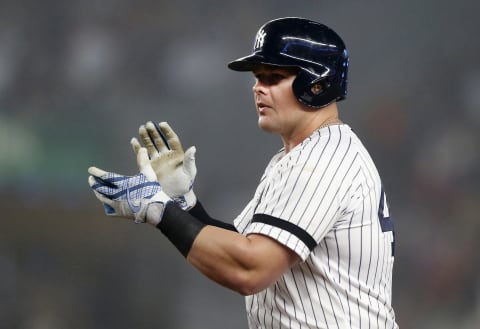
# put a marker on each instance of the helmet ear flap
(312, 91)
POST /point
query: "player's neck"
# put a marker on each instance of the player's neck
(314, 120)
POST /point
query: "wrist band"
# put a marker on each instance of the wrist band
(180, 227)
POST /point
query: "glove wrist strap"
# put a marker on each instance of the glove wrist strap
(186, 201)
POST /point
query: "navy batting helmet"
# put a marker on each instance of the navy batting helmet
(318, 52)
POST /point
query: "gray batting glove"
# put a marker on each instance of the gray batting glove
(174, 168)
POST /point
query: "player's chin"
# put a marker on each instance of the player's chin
(265, 124)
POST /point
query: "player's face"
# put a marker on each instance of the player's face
(277, 107)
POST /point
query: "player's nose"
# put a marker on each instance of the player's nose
(258, 88)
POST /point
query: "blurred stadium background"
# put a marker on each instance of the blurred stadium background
(78, 77)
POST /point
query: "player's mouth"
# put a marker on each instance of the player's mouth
(262, 107)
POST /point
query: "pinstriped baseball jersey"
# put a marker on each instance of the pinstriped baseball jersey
(324, 200)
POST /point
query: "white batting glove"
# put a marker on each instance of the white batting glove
(174, 168)
(138, 197)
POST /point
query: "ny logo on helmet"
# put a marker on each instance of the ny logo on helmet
(260, 39)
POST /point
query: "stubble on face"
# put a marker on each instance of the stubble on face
(274, 98)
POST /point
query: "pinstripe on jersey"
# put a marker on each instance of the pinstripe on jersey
(324, 200)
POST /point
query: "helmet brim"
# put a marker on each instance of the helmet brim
(246, 63)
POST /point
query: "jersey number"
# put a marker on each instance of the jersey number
(386, 222)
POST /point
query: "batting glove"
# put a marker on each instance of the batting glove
(138, 197)
(174, 168)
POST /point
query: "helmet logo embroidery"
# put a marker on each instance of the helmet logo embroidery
(260, 39)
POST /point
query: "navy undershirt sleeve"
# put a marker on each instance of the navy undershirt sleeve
(201, 214)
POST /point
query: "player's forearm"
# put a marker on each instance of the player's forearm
(246, 264)
(222, 255)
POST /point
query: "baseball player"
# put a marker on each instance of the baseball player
(314, 248)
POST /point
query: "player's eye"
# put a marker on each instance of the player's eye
(270, 79)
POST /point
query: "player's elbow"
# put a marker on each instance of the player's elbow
(249, 283)
(248, 291)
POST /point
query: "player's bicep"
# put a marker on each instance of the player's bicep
(246, 264)
(274, 257)
(269, 261)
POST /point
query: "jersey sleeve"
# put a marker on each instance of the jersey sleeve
(300, 200)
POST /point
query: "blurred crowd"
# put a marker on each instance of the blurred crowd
(77, 78)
